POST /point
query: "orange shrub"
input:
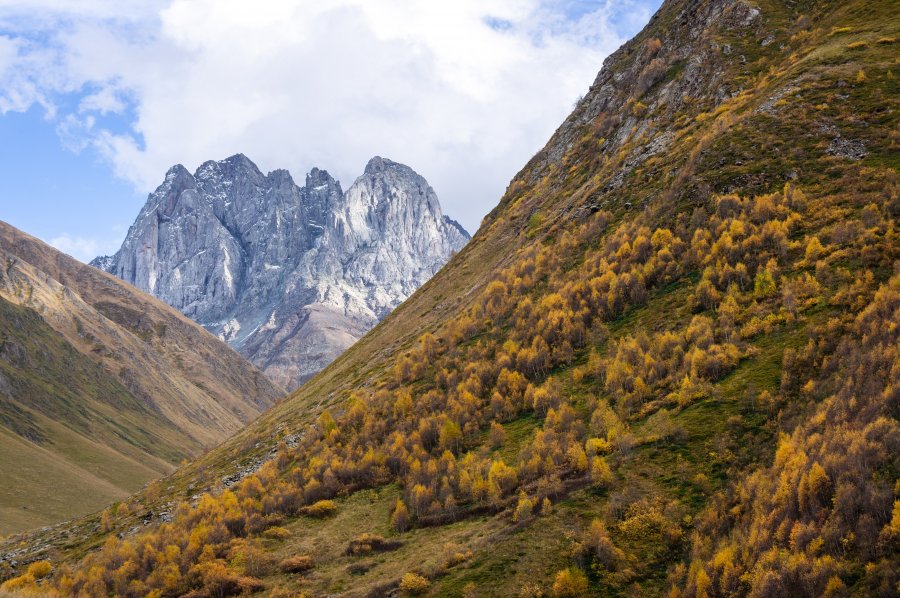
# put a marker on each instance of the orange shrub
(296, 564)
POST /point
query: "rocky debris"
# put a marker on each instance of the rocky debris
(851, 149)
(663, 75)
(291, 441)
(161, 516)
(249, 469)
(289, 275)
(640, 155)
(769, 105)
(743, 14)
(26, 553)
(827, 129)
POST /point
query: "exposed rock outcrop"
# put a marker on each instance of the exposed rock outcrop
(289, 275)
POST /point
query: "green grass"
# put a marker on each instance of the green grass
(425, 550)
(68, 485)
(666, 309)
(518, 433)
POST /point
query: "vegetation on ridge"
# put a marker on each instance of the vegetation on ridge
(684, 380)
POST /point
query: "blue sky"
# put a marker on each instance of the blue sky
(98, 98)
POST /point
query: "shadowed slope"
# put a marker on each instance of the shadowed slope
(105, 379)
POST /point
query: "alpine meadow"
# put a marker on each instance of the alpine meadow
(667, 363)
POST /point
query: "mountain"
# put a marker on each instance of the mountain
(289, 276)
(102, 388)
(666, 364)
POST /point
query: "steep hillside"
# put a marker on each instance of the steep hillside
(64, 456)
(101, 387)
(288, 275)
(665, 365)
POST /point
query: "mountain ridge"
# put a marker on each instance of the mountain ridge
(290, 276)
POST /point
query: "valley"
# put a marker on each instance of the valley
(103, 388)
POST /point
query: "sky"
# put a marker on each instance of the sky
(98, 98)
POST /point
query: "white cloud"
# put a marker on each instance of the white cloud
(75, 132)
(82, 248)
(9, 48)
(328, 83)
(105, 100)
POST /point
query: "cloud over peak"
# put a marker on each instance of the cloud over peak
(464, 92)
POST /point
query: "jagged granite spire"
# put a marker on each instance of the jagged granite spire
(290, 276)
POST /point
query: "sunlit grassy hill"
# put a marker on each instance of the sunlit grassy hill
(665, 365)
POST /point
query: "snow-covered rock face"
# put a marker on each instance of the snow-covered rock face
(290, 276)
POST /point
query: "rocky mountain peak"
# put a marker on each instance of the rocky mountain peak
(288, 275)
(318, 180)
(382, 167)
(177, 179)
(175, 171)
(239, 163)
(378, 164)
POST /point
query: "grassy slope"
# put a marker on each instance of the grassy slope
(66, 487)
(506, 556)
(720, 432)
(203, 387)
(103, 388)
(505, 231)
(515, 556)
(85, 440)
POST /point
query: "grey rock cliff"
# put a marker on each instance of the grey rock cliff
(289, 275)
